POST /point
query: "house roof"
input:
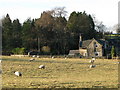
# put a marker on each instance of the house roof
(86, 43)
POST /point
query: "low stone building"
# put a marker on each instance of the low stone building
(73, 52)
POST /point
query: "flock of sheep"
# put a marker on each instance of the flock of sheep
(17, 73)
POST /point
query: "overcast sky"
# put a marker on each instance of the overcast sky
(104, 10)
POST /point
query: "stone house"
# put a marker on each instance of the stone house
(97, 48)
(92, 48)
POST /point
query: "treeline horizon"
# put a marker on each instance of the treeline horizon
(52, 33)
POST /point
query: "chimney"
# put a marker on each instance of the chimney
(80, 40)
(80, 36)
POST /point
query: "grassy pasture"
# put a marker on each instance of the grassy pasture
(59, 73)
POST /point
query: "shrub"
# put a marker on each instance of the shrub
(18, 51)
(46, 49)
(113, 52)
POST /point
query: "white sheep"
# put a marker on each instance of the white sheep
(53, 57)
(42, 67)
(17, 73)
(33, 56)
(91, 61)
(32, 59)
(38, 56)
(92, 66)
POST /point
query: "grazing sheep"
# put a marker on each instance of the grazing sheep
(32, 59)
(17, 73)
(91, 61)
(92, 66)
(53, 57)
(33, 56)
(42, 67)
(38, 56)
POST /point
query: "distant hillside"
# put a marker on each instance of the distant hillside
(113, 36)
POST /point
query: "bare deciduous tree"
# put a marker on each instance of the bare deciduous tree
(59, 12)
(116, 28)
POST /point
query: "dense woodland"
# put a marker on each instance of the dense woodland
(52, 33)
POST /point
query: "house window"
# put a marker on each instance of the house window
(96, 53)
(95, 45)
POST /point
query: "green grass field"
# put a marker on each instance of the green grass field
(59, 73)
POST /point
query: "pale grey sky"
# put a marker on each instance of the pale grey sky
(104, 10)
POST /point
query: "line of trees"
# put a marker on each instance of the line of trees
(52, 31)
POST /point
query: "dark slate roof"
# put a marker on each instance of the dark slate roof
(86, 43)
(101, 41)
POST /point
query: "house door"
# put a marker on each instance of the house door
(85, 54)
